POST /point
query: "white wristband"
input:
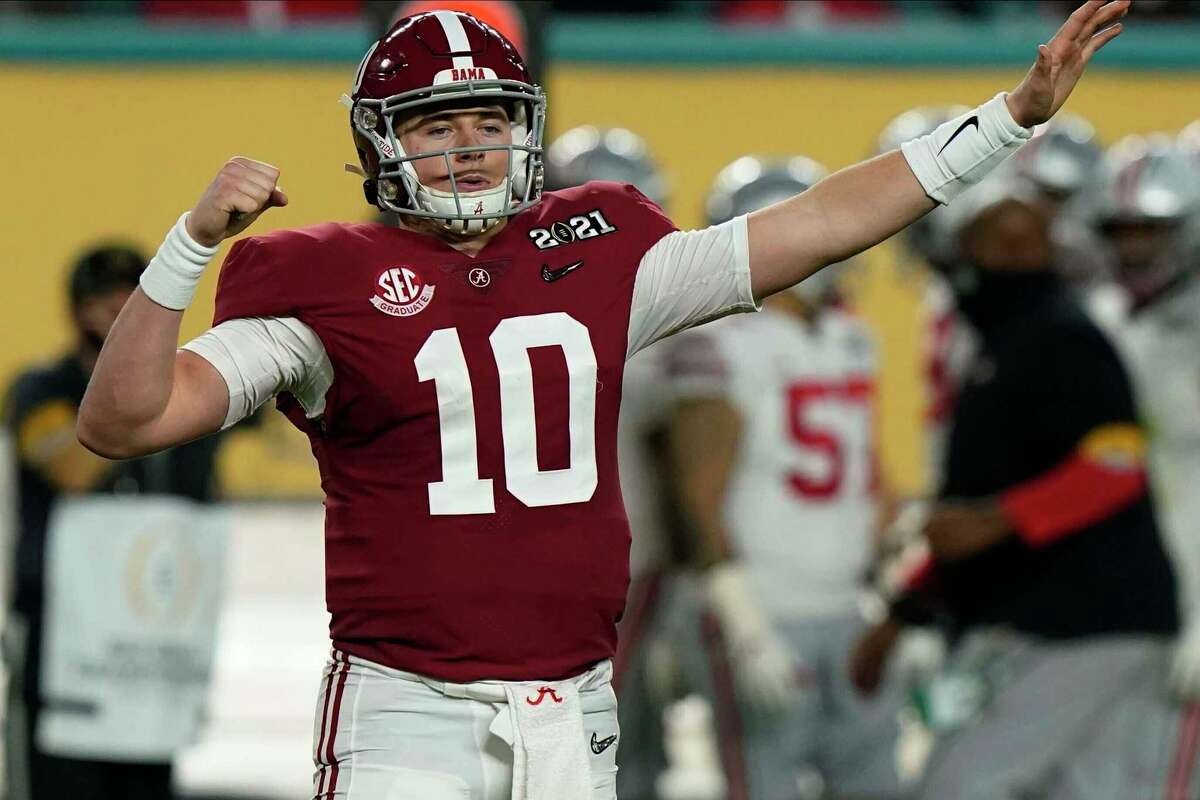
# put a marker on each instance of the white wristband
(959, 153)
(173, 274)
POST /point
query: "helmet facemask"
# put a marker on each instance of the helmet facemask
(395, 184)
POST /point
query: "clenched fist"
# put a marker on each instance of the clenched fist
(242, 190)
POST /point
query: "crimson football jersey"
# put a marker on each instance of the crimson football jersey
(467, 445)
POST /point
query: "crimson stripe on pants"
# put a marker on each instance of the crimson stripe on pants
(341, 665)
(333, 725)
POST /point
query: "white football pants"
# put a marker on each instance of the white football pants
(384, 734)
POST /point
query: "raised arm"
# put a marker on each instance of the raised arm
(860, 206)
(145, 395)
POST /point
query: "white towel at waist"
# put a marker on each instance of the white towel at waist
(543, 723)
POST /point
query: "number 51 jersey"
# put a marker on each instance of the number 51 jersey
(465, 423)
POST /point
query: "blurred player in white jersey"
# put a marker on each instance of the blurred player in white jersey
(1148, 208)
(582, 154)
(773, 444)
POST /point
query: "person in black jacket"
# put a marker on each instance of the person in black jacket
(40, 411)
(1046, 566)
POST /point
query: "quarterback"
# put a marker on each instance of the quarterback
(458, 377)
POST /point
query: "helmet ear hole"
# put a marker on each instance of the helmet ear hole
(368, 160)
(371, 191)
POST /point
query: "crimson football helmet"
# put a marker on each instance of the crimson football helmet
(431, 60)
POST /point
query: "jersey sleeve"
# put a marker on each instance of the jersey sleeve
(254, 283)
(26, 395)
(260, 358)
(41, 415)
(261, 342)
(690, 277)
(1085, 408)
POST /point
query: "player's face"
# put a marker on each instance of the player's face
(1141, 248)
(1010, 236)
(1139, 244)
(468, 127)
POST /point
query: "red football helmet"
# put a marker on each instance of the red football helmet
(432, 59)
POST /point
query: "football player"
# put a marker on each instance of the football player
(1147, 206)
(459, 378)
(773, 442)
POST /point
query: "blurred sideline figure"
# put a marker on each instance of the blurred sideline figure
(1147, 206)
(642, 673)
(116, 578)
(1059, 161)
(772, 442)
(1046, 566)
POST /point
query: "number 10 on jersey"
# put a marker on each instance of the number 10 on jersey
(461, 489)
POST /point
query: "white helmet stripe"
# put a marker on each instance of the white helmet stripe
(456, 37)
(362, 69)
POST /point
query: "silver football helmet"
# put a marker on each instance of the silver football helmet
(1189, 139)
(1146, 179)
(1062, 157)
(588, 153)
(753, 182)
(922, 237)
(1147, 205)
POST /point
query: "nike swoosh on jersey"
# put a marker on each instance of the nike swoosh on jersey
(969, 121)
(599, 746)
(551, 275)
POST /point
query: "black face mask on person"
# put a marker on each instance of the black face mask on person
(988, 296)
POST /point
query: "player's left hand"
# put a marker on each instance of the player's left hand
(1061, 61)
(957, 529)
(1185, 665)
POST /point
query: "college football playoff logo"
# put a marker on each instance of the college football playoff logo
(400, 292)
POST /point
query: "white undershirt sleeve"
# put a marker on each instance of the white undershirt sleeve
(260, 357)
(690, 277)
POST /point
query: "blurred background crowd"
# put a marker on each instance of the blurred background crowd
(922, 498)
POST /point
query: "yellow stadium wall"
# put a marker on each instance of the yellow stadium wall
(102, 152)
